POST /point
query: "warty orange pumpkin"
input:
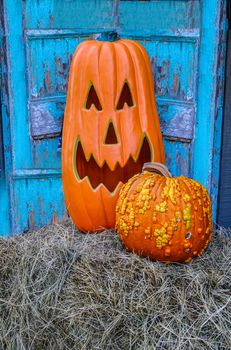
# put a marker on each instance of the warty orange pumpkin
(111, 127)
(163, 217)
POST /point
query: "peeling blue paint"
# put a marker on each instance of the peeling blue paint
(210, 101)
(177, 121)
(46, 119)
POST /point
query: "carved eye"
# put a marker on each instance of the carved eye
(125, 97)
(92, 99)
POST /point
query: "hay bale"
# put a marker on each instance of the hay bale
(60, 289)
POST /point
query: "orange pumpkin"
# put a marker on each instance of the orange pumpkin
(111, 127)
(165, 218)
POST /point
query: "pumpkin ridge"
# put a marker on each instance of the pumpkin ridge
(136, 63)
(150, 214)
(203, 222)
(151, 90)
(100, 86)
(125, 45)
(84, 207)
(183, 232)
(207, 220)
(161, 221)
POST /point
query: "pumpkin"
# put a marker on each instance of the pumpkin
(163, 217)
(111, 127)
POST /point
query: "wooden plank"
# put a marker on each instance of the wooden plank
(153, 16)
(40, 201)
(176, 121)
(48, 64)
(6, 191)
(206, 149)
(224, 203)
(5, 208)
(219, 103)
(61, 14)
(174, 66)
(178, 157)
(36, 173)
(46, 154)
(1, 148)
(21, 155)
(46, 118)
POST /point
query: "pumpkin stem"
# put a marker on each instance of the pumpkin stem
(158, 168)
(109, 36)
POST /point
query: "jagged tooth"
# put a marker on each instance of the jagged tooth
(86, 154)
(113, 166)
(101, 185)
(110, 166)
(125, 163)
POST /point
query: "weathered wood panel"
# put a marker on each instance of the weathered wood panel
(174, 66)
(1, 149)
(210, 97)
(218, 91)
(45, 154)
(224, 203)
(178, 157)
(159, 17)
(61, 14)
(39, 200)
(176, 121)
(4, 205)
(5, 180)
(46, 117)
(48, 63)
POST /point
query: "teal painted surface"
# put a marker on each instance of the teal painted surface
(33, 207)
(174, 65)
(69, 14)
(49, 61)
(4, 205)
(185, 42)
(216, 177)
(159, 16)
(178, 157)
(5, 180)
(207, 142)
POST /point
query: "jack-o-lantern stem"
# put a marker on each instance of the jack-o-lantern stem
(109, 36)
(155, 167)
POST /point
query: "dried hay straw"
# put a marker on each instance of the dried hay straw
(60, 289)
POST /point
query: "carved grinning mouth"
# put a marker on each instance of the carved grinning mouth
(97, 175)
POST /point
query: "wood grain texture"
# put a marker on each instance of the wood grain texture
(207, 142)
(224, 202)
(5, 179)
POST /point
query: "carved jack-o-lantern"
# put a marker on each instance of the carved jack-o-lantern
(111, 127)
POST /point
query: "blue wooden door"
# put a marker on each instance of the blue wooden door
(185, 42)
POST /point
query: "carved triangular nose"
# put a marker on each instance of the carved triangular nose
(111, 137)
